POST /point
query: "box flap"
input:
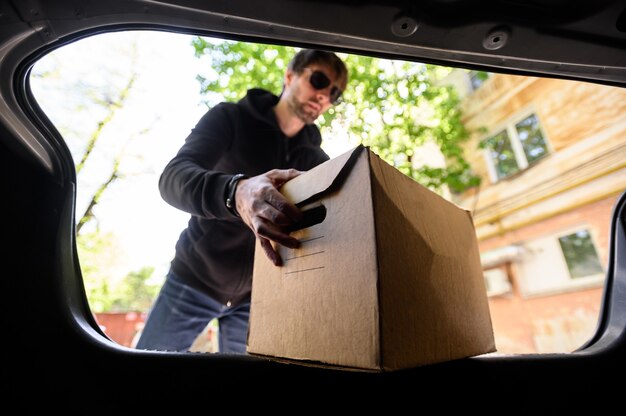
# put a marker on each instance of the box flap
(322, 179)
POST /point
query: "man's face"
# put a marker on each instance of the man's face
(304, 99)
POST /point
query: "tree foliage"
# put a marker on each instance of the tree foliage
(96, 250)
(394, 107)
(134, 292)
(93, 98)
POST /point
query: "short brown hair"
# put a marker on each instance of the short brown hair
(305, 57)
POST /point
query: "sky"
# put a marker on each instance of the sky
(164, 104)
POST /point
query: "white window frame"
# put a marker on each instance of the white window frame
(563, 283)
(516, 144)
(592, 277)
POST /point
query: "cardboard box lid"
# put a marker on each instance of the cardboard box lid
(322, 179)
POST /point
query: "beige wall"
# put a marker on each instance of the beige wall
(575, 186)
(585, 127)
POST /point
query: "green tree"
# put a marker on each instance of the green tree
(111, 105)
(96, 251)
(135, 293)
(392, 106)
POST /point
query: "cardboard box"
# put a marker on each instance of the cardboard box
(388, 275)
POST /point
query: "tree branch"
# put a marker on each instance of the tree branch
(88, 215)
(112, 108)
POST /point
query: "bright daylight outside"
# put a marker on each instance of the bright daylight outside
(538, 162)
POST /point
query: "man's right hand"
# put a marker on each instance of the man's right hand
(266, 211)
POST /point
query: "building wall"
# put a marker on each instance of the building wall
(585, 128)
(574, 186)
(569, 110)
(125, 328)
(562, 322)
(596, 215)
(121, 327)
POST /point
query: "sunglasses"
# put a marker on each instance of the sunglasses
(319, 81)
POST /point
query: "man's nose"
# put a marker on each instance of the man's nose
(323, 95)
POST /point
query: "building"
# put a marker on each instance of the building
(552, 158)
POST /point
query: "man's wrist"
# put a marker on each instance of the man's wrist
(231, 188)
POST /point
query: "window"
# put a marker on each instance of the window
(580, 254)
(515, 148)
(529, 134)
(478, 78)
(503, 156)
(559, 263)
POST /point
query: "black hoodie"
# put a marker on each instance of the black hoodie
(215, 253)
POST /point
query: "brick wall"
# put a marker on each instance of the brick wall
(596, 215)
(557, 322)
(121, 327)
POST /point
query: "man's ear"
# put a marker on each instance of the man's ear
(289, 76)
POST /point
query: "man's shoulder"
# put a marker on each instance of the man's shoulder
(225, 106)
(258, 100)
(224, 109)
(259, 92)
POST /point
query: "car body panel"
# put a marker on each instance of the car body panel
(55, 348)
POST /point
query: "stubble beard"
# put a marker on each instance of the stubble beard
(300, 110)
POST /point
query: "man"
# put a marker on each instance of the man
(227, 176)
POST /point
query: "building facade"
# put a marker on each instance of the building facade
(551, 155)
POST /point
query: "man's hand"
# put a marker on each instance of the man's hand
(266, 211)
